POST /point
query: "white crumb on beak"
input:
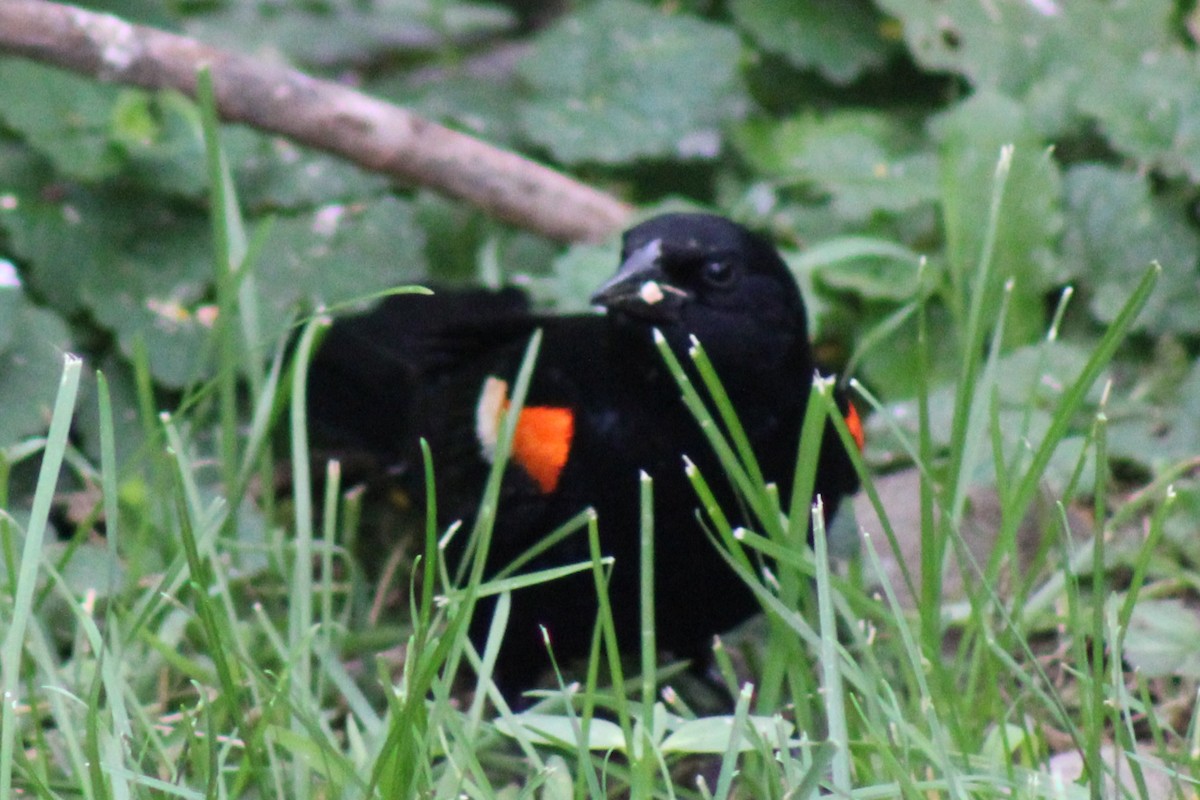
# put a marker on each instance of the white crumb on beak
(487, 415)
(651, 293)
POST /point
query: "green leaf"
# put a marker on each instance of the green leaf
(558, 785)
(88, 569)
(340, 32)
(713, 734)
(1114, 228)
(550, 729)
(133, 119)
(840, 39)
(481, 104)
(160, 136)
(317, 752)
(1163, 639)
(1160, 439)
(30, 366)
(143, 267)
(1000, 46)
(858, 159)
(619, 81)
(64, 232)
(335, 254)
(1181, 524)
(158, 291)
(1151, 111)
(63, 116)
(273, 174)
(1015, 46)
(1005, 742)
(873, 268)
(1047, 53)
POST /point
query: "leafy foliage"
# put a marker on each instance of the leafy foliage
(619, 81)
(840, 40)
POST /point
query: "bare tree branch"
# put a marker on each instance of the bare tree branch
(321, 114)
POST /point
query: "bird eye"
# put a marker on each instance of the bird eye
(718, 273)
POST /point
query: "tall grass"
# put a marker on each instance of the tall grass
(235, 665)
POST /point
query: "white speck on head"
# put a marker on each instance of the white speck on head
(492, 401)
(9, 202)
(651, 293)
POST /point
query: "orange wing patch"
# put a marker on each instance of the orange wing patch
(854, 423)
(541, 442)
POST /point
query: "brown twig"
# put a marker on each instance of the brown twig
(321, 114)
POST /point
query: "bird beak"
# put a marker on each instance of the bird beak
(641, 289)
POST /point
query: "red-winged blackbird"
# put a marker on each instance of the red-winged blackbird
(601, 407)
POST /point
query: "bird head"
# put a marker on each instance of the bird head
(702, 275)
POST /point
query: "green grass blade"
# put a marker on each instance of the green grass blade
(911, 649)
(812, 432)
(108, 478)
(26, 582)
(726, 455)
(1073, 397)
(300, 607)
(260, 421)
(720, 399)
(215, 634)
(575, 524)
(649, 648)
(730, 757)
(972, 335)
(832, 689)
(229, 249)
(326, 619)
(609, 633)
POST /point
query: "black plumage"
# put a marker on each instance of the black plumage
(417, 366)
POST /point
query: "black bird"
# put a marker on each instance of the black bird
(601, 408)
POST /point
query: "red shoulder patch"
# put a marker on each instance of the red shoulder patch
(854, 423)
(541, 442)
